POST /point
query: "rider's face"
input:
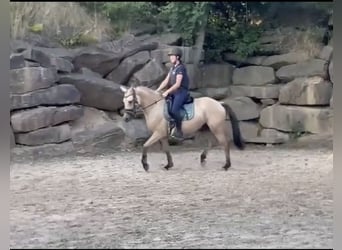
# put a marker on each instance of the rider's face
(173, 59)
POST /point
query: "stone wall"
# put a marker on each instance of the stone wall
(68, 100)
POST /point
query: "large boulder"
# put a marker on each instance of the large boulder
(55, 134)
(216, 93)
(17, 61)
(150, 75)
(95, 92)
(29, 79)
(48, 60)
(254, 75)
(97, 60)
(57, 95)
(88, 72)
(63, 53)
(244, 107)
(306, 91)
(105, 57)
(165, 39)
(297, 119)
(326, 53)
(278, 61)
(331, 72)
(128, 66)
(41, 117)
(95, 129)
(217, 75)
(12, 138)
(260, 92)
(314, 67)
(135, 130)
(249, 130)
(242, 61)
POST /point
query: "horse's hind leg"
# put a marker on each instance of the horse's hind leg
(222, 137)
(166, 148)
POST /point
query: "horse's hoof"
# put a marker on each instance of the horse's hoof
(226, 167)
(167, 167)
(146, 167)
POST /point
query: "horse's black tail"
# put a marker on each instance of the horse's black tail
(237, 138)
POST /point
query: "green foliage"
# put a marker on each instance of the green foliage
(185, 18)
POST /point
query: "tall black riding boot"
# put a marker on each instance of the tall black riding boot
(177, 132)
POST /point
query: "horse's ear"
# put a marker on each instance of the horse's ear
(123, 88)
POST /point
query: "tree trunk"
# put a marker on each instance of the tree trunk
(200, 38)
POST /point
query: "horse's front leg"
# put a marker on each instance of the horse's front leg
(153, 139)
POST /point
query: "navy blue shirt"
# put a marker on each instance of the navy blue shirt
(176, 70)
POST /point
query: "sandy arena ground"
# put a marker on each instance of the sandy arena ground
(271, 197)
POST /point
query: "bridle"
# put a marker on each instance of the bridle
(133, 111)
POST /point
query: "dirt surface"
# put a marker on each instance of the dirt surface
(271, 197)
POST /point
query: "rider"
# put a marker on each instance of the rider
(177, 81)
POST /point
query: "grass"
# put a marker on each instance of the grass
(58, 21)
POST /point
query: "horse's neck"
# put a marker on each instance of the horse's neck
(148, 97)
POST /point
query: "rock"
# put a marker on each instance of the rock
(216, 93)
(57, 95)
(249, 130)
(128, 46)
(194, 74)
(267, 102)
(216, 75)
(166, 39)
(331, 103)
(244, 107)
(306, 91)
(17, 61)
(240, 61)
(128, 66)
(331, 70)
(48, 60)
(297, 119)
(95, 92)
(12, 138)
(150, 75)
(105, 57)
(63, 53)
(31, 64)
(33, 119)
(56, 134)
(196, 94)
(260, 92)
(95, 130)
(18, 46)
(254, 75)
(278, 61)
(25, 153)
(29, 79)
(314, 67)
(88, 72)
(273, 133)
(136, 130)
(97, 60)
(326, 53)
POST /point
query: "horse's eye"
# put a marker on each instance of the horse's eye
(130, 102)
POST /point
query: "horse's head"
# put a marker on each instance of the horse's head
(131, 102)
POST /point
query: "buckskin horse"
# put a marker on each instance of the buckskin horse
(197, 113)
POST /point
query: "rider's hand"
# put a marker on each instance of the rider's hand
(165, 94)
